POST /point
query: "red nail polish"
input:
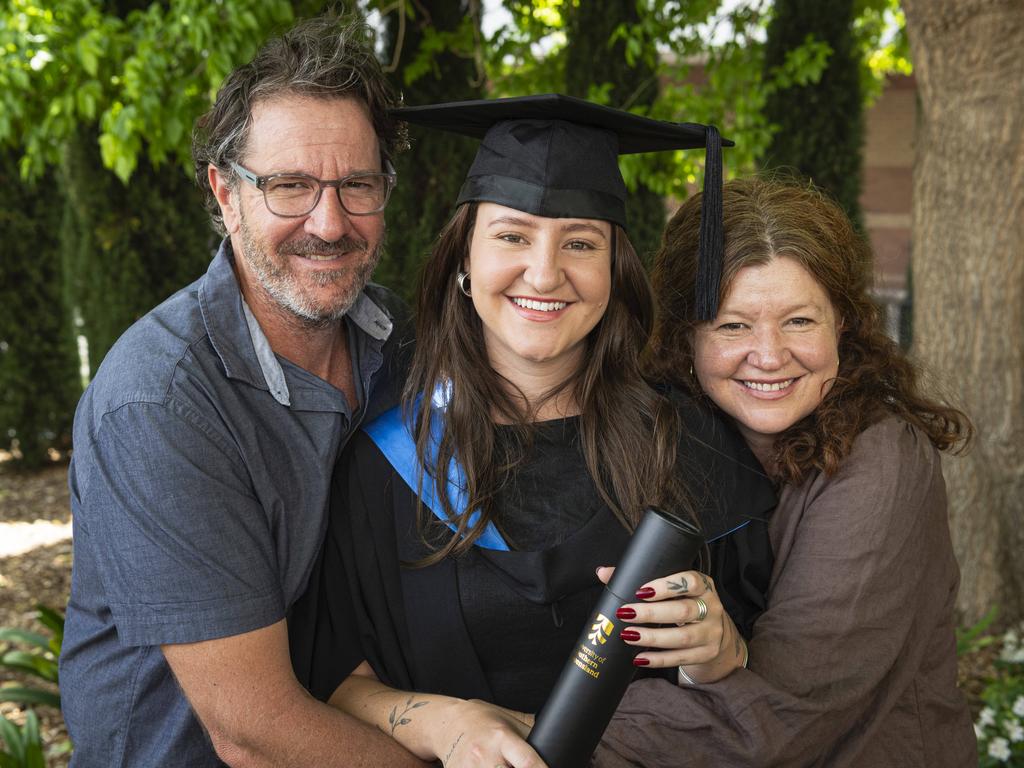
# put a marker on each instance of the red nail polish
(644, 592)
(626, 613)
(640, 662)
(629, 634)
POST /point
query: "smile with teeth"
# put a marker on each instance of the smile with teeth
(539, 306)
(762, 386)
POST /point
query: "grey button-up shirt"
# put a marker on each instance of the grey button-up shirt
(199, 491)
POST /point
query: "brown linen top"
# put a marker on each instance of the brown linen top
(853, 664)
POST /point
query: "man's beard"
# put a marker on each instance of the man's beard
(279, 281)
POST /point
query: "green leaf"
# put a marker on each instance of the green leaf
(33, 744)
(51, 619)
(11, 735)
(32, 663)
(22, 695)
(15, 635)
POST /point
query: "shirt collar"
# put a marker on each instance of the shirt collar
(240, 342)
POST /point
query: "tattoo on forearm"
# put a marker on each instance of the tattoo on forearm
(682, 586)
(395, 719)
(452, 750)
(707, 583)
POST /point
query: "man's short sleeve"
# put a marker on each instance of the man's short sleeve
(184, 549)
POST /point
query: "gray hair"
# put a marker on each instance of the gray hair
(326, 57)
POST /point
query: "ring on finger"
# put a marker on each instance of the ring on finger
(702, 610)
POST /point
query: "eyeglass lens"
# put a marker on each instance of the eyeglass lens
(298, 195)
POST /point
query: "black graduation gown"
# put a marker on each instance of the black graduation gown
(499, 625)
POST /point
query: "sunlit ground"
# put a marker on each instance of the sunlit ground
(19, 537)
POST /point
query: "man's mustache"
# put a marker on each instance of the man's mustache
(309, 246)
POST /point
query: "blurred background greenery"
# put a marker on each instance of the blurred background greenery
(100, 219)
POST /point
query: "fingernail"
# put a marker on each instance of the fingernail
(629, 634)
(626, 613)
(644, 592)
(640, 661)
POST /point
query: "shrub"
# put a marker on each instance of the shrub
(1000, 725)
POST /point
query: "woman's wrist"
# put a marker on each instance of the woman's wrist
(717, 669)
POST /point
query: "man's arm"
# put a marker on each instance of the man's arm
(244, 692)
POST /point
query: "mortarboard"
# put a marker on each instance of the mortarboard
(557, 156)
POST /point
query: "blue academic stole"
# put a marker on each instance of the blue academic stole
(390, 433)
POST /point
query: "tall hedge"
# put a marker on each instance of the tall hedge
(820, 125)
(434, 64)
(39, 381)
(128, 247)
(591, 62)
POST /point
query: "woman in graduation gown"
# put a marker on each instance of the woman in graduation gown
(466, 526)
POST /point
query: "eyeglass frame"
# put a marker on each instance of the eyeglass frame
(260, 182)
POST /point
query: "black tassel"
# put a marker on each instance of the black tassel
(709, 267)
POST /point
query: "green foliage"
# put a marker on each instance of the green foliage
(661, 39)
(880, 32)
(38, 660)
(976, 637)
(128, 247)
(434, 52)
(140, 77)
(818, 122)
(39, 382)
(24, 745)
(1000, 725)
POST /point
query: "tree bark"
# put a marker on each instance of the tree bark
(968, 234)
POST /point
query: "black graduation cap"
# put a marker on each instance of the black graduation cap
(557, 156)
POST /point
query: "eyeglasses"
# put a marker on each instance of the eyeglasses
(291, 195)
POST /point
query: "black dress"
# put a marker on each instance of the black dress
(499, 625)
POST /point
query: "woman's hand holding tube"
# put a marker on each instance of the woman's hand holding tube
(700, 639)
(460, 733)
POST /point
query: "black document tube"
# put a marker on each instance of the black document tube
(570, 725)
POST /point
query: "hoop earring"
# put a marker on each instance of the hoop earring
(464, 285)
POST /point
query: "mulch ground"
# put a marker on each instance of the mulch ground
(43, 575)
(40, 575)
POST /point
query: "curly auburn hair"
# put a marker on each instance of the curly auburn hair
(771, 218)
(326, 57)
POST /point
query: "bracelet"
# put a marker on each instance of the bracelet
(685, 677)
(690, 681)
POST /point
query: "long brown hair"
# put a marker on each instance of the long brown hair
(628, 431)
(770, 218)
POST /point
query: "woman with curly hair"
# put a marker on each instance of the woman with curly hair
(853, 662)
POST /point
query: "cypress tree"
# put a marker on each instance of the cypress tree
(591, 62)
(39, 381)
(820, 125)
(128, 247)
(430, 175)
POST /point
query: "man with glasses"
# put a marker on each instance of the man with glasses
(205, 444)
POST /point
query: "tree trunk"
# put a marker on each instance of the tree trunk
(968, 232)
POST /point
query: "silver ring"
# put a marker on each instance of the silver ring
(702, 610)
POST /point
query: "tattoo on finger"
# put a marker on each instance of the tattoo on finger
(681, 586)
(707, 583)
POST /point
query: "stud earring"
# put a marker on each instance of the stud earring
(464, 285)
